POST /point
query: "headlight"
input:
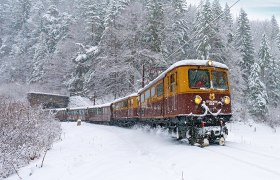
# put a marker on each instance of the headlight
(226, 100)
(210, 63)
(197, 99)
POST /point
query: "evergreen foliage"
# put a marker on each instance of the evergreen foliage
(264, 58)
(244, 43)
(258, 100)
(204, 31)
(155, 24)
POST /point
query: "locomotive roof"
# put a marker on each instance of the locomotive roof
(189, 62)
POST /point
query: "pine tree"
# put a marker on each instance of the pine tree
(178, 34)
(155, 26)
(55, 26)
(274, 28)
(180, 7)
(243, 42)
(219, 40)
(95, 15)
(228, 24)
(264, 58)
(204, 32)
(258, 100)
(272, 83)
(22, 14)
(278, 41)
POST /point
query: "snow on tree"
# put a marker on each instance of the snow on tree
(278, 41)
(54, 28)
(155, 24)
(268, 72)
(204, 31)
(95, 16)
(272, 83)
(228, 24)
(177, 31)
(264, 58)
(22, 14)
(244, 43)
(258, 100)
(274, 28)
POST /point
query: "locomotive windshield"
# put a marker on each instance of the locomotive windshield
(199, 79)
(219, 79)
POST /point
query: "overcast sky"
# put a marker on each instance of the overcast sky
(256, 9)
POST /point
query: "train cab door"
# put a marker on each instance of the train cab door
(130, 107)
(171, 103)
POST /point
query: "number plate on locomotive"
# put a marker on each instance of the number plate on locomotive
(211, 103)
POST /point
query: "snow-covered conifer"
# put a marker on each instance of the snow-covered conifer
(278, 41)
(244, 43)
(204, 31)
(272, 83)
(95, 14)
(264, 58)
(274, 28)
(258, 100)
(155, 26)
(228, 24)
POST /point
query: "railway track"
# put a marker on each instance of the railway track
(254, 159)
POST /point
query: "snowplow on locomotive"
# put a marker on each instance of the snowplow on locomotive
(191, 98)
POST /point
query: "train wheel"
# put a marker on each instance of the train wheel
(205, 142)
(222, 141)
(178, 134)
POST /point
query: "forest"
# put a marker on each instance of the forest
(99, 48)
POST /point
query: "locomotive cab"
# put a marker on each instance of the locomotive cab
(191, 98)
(198, 95)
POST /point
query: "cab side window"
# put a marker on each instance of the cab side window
(159, 89)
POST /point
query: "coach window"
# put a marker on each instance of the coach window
(153, 91)
(147, 94)
(125, 103)
(159, 89)
(142, 98)
(99, 111)
(94, 111)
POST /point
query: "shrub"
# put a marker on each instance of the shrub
(25, 133)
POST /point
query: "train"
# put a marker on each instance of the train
(191, 99)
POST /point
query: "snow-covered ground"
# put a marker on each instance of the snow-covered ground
(95, 152)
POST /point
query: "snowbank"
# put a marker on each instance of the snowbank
(108, 153)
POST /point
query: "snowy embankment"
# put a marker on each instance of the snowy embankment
(109, 153)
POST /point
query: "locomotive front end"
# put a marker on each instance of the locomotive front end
(207, 103)
(212, 104)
